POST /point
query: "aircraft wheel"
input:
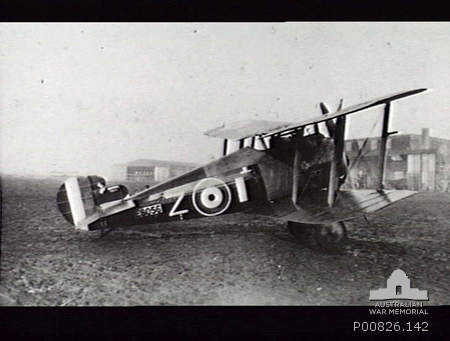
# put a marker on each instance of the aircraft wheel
(331, 236)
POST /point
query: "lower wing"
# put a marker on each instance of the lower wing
(349, 204)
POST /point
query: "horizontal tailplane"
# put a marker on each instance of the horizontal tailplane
(83, 200)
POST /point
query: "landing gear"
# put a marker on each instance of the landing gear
(329, 237)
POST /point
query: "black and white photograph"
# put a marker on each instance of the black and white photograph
(226, 164)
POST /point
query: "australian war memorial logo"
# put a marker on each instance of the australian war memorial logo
(398, 295)
(398, 288)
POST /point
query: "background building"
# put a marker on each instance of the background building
(415, 162)
(144, 170)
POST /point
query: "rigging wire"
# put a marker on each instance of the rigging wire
(360, 152)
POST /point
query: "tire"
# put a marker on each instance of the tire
(331, 237)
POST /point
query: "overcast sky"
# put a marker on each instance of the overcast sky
(81, 97)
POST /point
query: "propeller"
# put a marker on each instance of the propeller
(331, 125)
(336, 131)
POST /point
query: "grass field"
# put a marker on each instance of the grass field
(238, 260)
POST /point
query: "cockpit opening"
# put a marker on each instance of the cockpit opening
(258, 142)
(255, 142)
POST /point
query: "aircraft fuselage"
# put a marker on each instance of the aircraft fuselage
(248, 180)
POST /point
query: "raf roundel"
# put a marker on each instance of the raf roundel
(211, 197)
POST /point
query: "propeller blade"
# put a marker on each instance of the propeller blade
(324, 108)
(331, 126)
(341, 103)
(338, 160)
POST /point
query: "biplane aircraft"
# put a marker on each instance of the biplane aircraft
(278, 169)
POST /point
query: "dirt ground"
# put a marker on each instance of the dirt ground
(239, 260)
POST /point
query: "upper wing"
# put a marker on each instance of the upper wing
(244, 129)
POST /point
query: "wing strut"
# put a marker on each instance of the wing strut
(241, 143)
(225, 146)
(296, 176)
(296, 171)
(383, 155)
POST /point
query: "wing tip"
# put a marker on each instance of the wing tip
(416, 91)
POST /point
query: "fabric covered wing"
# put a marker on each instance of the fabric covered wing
(349, 204)
(368, 201)
(244, 129)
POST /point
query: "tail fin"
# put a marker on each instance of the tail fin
(83, 200)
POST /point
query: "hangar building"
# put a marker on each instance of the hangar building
(144, 170)
(414, 162)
